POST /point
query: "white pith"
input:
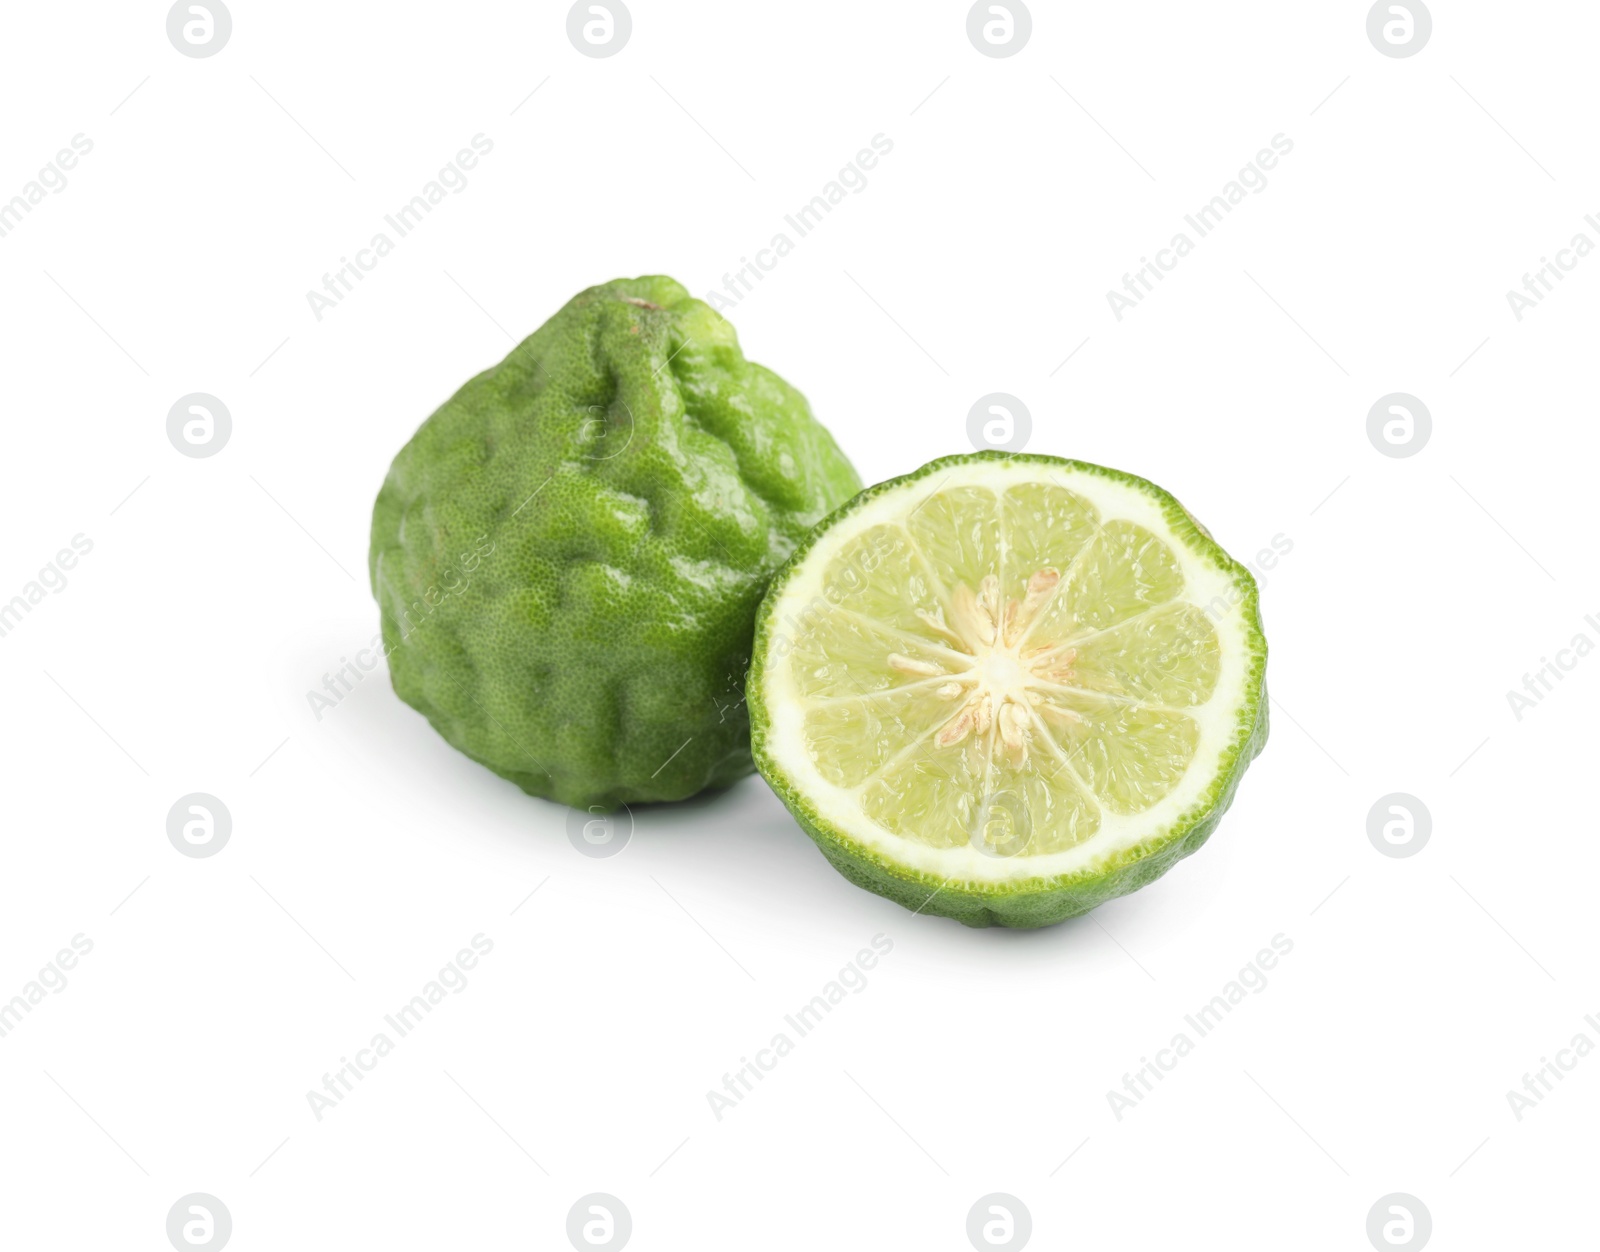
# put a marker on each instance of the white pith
(1001, 675)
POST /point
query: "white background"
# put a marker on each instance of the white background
(365, 852)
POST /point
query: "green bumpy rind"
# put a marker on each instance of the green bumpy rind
(1040, 901)
(568, 555)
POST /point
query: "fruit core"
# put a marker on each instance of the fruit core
(997, 675)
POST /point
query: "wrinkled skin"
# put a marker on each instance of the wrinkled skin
(568, 554)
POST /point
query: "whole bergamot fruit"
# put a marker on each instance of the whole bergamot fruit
(569, 554)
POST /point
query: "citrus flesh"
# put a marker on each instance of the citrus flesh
(568, 555)
(1008, 688)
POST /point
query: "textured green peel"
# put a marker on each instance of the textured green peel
(568, 555)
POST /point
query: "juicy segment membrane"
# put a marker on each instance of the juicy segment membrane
(1003, 667)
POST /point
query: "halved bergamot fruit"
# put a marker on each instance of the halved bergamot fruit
(1006, 689)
